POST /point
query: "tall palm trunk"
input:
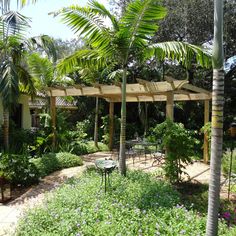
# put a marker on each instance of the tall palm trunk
(122, 163)
(6, 129)
(217, 121)
(96, 124)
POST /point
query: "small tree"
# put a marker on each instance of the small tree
(179, 145)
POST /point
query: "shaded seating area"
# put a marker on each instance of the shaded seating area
(169, 91)
(142, 149)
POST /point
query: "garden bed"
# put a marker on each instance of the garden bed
(136, 205)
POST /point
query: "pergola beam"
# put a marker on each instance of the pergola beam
(162, 98)
(167, 91)
(146, 88)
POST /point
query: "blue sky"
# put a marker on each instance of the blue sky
(42, 23)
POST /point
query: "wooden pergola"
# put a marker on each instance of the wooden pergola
(168, 91)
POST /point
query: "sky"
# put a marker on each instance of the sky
(42, 23)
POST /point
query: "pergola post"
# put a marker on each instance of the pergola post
(96, 123)
(111, 124)
(206, 143)
(170, 105)
(53, 117)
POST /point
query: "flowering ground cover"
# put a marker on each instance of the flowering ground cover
(136, 205)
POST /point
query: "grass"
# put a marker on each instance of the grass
(135, 205)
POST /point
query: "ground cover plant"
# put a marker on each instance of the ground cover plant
(135, 205)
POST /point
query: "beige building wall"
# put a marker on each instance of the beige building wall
(26, 117)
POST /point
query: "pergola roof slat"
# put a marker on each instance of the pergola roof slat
(162, 98)
(142, 91)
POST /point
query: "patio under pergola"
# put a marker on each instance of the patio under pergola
(168, 91)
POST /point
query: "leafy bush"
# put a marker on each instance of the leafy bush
(19, 169)
(179, 145)
(19, 140)
(226, 162)
(81, 148)
(51, 162)
(46, 164)
(136, 205)
(67, 160)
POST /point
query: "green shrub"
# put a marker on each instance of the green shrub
(136, 205)
(179, 145)
(51, 162)
(46, 164)
(226, 162)
(19, 169)
(81, 148)
(67, 160)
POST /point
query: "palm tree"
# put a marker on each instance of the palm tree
(118, 43)
(14, 76)
(217, 120)
(12, 70)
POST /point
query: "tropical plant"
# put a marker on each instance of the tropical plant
(118, 43)
(12, 70)
(217, 121)
(19, 169)
(14, 76)
(179, 145)
(43, 69)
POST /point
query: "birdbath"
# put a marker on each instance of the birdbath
(105, 167)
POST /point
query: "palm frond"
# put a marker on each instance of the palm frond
(101, 9)
(116, 75)
(13, 23)
(182, 52)
(87, 23)
(44, 42)
(9, 84)
(140, 19)
(42, 69)
(23, 3)
(82, 58)
(27, 82)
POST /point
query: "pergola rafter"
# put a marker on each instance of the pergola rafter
(167, 91)
(142, 91)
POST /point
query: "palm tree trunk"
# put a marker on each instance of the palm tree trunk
(122, 164)
(6, 129)
(217, 121)
(96, 124)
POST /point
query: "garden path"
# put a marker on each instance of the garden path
(10, 213)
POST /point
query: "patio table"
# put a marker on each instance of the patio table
(140, 147)
(105, 167)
